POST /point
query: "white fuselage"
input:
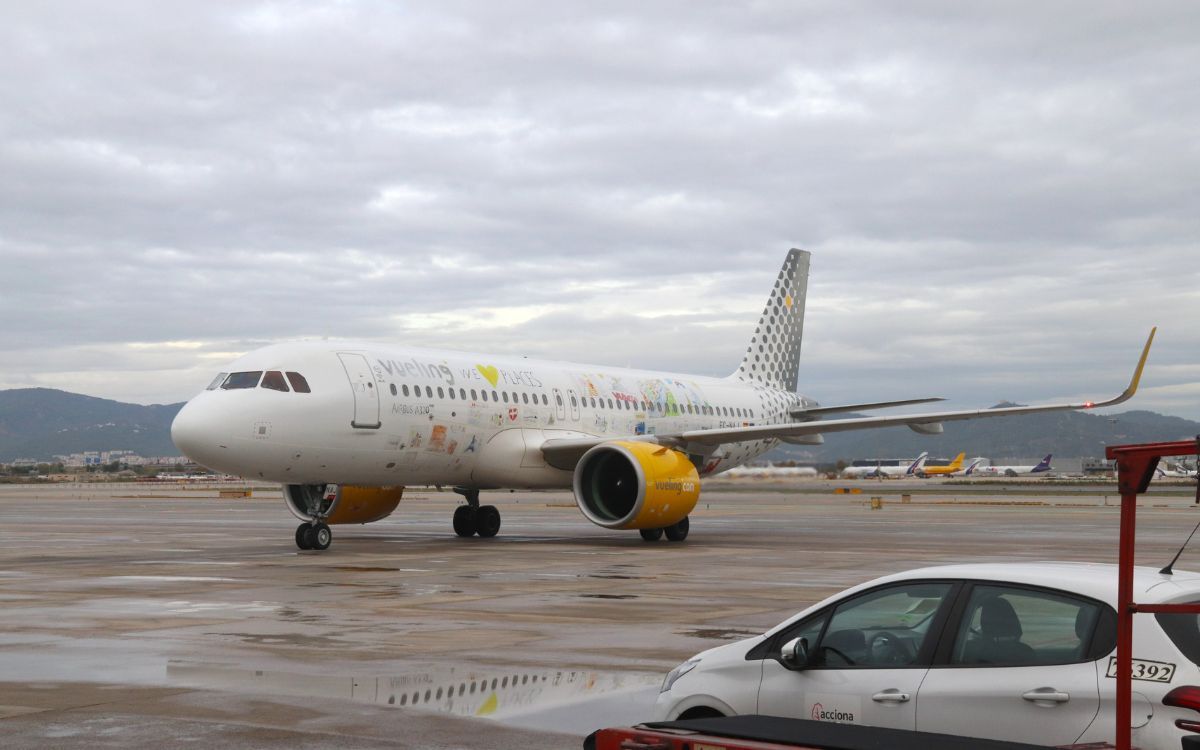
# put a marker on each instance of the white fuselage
(379, 415)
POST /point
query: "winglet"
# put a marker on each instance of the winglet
(1133, 383)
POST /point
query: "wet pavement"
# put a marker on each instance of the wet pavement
(140, 615)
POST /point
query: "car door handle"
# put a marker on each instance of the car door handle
(1046, 696)
(891, 695)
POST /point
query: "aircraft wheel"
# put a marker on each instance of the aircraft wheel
(465, 521)
(488, 521)
(302, 536)
(322, 537)
(677, 532)
(651, 535)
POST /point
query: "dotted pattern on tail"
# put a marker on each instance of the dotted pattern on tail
(773, 358)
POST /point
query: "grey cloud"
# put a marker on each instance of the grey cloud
(1000, 200)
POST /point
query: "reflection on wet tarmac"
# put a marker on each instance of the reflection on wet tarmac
(487, 692)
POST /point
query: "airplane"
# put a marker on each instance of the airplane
(953, 467)
(345, 426)
(972, 467)
(1180, 471)
(1015, 471)
(770, 471)
(879, 471)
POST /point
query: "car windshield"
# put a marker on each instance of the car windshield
(1184, 632)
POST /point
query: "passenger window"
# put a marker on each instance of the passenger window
(505, 395)
(392, 386)
(573, 400)
(404, 389)
(449, 390)
(428, 391)
(216, 383)
(441, 393)
(558, 399)
(239, 380)
(882, 628)
(474, 395)
(274, 381)
(1006, 626)
(525, 398)
(545, 400)
(462, 394)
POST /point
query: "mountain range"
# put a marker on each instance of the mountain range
(40, 423)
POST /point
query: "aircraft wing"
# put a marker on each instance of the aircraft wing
(565, 453)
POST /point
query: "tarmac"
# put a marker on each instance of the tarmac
(140, 615)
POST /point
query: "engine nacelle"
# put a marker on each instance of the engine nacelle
(340, 503)
(630, 485)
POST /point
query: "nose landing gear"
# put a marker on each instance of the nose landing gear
(473, 518)
(316, 536)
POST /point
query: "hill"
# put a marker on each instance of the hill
(40, 423)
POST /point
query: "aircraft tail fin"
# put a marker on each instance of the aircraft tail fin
(1044, 465)
(773, 357)
(958, 461)
(917, 465)
(974, 465)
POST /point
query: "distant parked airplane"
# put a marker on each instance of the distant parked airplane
(1015, 471)
(771, 471)
(941, 471)
(972, 467)
(879, 470)
(1181, 471)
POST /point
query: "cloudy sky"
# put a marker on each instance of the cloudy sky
(1001, 199)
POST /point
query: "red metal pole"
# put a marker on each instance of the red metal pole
(1124, 675)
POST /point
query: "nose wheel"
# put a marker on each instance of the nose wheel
(473, 518)
(316, 536)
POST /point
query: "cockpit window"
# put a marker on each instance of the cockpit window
(299, 384)
(216, 383)
(274, 380)
(238, 380)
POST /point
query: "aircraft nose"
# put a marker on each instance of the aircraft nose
(194, 433)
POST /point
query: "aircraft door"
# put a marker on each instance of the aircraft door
(560, 406)
(362, 385)
(574, 398)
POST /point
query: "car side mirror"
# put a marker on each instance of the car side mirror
(794, 654)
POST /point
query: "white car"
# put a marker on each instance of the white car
(1023, 652)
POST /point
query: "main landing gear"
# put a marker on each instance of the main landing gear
(473, 518)
(676, 532)
(313, 536)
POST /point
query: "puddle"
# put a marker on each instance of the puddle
(166, 579)
(159, 608)
(556, 700)
(723, 634)
(363, 569)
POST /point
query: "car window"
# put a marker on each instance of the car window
(1184, 632)
(1008, 626)
(882, 628)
